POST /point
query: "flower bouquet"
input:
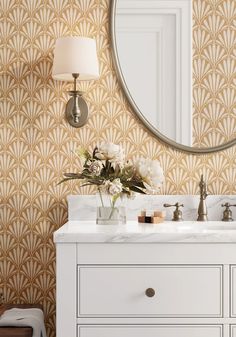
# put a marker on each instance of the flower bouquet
(114, 177)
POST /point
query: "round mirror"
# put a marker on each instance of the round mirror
(176, 62)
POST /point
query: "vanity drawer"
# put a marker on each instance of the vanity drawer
(151, 331)
(180, 291)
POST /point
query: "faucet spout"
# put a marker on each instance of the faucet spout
(202, 208)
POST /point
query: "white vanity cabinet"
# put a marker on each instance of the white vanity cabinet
(150, 331)
(114, 290)
(233, 331)
(134, 281)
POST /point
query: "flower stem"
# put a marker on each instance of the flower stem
(112, 201)
(100, 194)
(112, 210)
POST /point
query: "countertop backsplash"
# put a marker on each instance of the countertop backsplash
(83, 207)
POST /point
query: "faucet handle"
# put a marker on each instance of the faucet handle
(227, 214)
(177, 214)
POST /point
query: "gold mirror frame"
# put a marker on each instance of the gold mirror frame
(154, 131)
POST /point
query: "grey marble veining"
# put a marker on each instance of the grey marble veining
(83, 207)
(132, 232)
(81, 226)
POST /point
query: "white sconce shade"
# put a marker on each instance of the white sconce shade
(75, 55)
(75, 58)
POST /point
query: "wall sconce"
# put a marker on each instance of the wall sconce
(75, 58)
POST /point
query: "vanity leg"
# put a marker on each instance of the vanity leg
(66, 283)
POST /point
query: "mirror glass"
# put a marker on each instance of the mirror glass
(176, 61)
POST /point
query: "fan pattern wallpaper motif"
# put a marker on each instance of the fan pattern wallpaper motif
(214, 65)
(36, 144)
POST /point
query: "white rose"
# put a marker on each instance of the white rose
(114, 187)
(151, 173)
(112, 152)
(96, 167)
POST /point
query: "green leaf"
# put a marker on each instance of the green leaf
(131, 183)
(94, 152)
(66, 179)
(114, 198)
(72, 175)
(136, 189)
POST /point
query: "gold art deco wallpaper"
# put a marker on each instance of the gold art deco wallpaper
(214, 66)
(36, 144)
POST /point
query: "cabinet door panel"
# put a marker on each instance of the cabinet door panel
(233, 331)
(150, 331)
(180, 291)
(233, 291)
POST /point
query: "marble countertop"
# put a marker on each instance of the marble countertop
(133, 232)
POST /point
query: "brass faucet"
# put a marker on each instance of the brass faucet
(177, 215)
(202, 208)
(227, 214)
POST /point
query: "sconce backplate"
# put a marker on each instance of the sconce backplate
(83, 110)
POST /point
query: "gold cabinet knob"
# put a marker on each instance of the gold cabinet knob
(150, 292)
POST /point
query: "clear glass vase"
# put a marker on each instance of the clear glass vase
(109, 213)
